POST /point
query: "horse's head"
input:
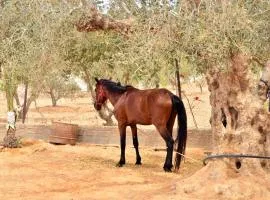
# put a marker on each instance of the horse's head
(100, 95)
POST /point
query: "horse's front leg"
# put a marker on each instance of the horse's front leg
(122, 131)
(136, 144)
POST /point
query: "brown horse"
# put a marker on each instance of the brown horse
(153, 106)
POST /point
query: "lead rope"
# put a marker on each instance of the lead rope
(187, 157)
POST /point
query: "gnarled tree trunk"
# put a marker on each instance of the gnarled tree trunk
(247, 132)
(18, 103)
(53, 97)
(105, 113)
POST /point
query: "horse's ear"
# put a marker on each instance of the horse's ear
(96, 79)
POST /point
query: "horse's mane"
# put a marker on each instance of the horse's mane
(115, 87)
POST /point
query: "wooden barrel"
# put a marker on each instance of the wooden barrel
(64, 133)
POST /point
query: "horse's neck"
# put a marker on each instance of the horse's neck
(113, 97)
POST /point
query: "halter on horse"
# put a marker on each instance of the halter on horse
(153, 106)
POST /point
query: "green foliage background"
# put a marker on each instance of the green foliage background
(38, 37)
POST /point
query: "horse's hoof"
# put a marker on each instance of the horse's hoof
(167, 169)
(138, 163)
(120, 164)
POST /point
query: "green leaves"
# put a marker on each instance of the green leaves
(38, 37)
(218, 29)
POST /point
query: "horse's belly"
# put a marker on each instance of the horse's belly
(140, 120)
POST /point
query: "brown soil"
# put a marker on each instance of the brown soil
(41, 170)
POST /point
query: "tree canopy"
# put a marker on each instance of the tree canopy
(38, 36)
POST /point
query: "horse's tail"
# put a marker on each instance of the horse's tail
(182, 129)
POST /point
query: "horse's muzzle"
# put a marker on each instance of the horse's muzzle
(97, 106)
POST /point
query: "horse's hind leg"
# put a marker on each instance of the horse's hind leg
(136, 144)
(122, 130)
(167, 136)
(170, 125)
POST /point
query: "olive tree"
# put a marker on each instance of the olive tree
(19, 47)
(225, 40)
(29, 46)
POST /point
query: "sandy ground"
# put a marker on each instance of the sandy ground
(41, 170)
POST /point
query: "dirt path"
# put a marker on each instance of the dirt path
(41, 170)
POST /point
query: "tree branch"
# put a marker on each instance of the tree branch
(95, 21)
